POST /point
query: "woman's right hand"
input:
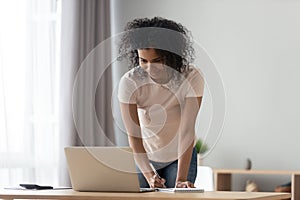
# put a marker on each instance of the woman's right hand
(156, 182)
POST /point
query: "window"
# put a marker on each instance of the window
(29, 80)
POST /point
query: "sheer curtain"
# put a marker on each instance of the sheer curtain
(29, 44)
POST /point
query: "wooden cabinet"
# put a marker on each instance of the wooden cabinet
(223, 179)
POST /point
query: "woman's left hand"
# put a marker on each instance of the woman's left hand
(184, 184)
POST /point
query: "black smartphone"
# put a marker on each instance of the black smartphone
(35, 187)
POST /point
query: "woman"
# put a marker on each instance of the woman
(160, 97)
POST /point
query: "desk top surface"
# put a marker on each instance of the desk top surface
(71, 194)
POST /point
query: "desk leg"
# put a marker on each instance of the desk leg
(222, 182)
(296, 187)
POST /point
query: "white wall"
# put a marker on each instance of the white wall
(255, 46)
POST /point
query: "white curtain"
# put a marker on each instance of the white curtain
(29, 44)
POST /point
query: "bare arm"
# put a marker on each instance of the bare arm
(186, 138)
(132, 125)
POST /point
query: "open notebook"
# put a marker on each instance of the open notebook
(183, 190)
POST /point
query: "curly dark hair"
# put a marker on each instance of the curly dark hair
(171, 40)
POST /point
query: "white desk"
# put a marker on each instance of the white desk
(70, 194)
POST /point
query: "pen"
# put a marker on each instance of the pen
(154, 170)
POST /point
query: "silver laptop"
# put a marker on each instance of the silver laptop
(106, 169)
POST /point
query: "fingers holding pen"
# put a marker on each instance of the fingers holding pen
(157, 182)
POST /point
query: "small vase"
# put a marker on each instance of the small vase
(199, 159)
